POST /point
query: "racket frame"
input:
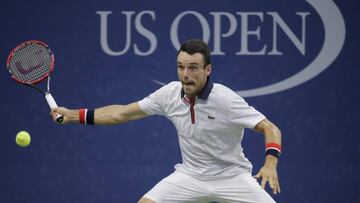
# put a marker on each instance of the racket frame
(31, 83)
(50, 100)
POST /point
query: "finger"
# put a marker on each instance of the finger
(272, 183)
(53, 110)
(54, 116)
(263, 182)
(276, 188)
(59, 111)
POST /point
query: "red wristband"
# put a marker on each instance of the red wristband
(82, 113)
(273, 146)
(273, 149)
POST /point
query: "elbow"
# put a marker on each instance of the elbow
(277, 130)
(119, 117)
(115, 116)
(273, 131)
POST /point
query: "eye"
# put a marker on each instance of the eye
(193, 67)
(181, 67)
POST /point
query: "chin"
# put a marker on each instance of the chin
(190, 94)
(188, 91)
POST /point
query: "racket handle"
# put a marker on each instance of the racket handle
(51, 101)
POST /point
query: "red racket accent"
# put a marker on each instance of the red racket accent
(31, 62)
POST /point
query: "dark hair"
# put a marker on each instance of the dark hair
(193, 46)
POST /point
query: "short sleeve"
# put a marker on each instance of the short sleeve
(153, 104)
(243, 115)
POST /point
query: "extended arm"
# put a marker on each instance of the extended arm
(268, 172)
(107, 115)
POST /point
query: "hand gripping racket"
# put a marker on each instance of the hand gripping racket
(30, 63)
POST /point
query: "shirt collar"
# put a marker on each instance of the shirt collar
(205, 91)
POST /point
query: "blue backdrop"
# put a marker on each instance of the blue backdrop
(296, 62)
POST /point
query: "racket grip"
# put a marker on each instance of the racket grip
(51, 101)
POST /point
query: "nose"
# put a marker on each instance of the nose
(186, 73)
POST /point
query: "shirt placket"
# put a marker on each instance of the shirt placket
(192, 109)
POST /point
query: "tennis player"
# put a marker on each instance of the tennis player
(210, 120)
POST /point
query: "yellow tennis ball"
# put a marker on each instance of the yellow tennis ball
(23, 139)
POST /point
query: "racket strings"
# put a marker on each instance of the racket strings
(31, 63)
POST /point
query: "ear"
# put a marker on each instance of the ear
(208, 69)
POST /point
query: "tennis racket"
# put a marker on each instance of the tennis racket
(30, 63)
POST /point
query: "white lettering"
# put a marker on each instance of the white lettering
(245, 32)
(146, 33)
(249, 31)
(217, 30)
(104, 32)
(175, 26)
(279, 22)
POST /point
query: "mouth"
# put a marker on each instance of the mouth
(187, 84)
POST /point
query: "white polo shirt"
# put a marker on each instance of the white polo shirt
(210, 131)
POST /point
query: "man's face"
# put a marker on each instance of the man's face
(192, 73)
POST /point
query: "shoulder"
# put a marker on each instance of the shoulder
(171, 87)
(226, 98)
(174, 85)
(169, 90)
(224, 92)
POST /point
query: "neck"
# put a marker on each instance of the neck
(191, 98)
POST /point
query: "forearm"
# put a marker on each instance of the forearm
(102, 116)
(268, 172)
(272, 136)
(116, 114)
(107, 115)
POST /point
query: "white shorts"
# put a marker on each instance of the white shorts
(180, 187)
